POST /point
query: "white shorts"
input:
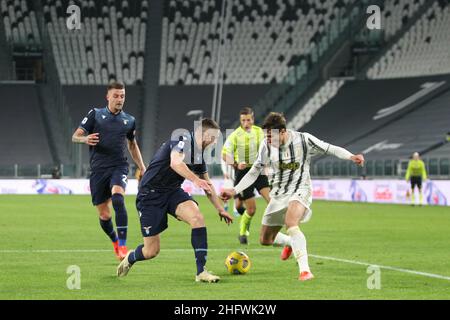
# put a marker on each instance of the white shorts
(276, 209)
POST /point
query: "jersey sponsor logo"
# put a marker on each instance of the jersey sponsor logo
(125, 122)
(290, 166)
(84, 120)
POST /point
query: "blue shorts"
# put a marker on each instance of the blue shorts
(153, 207)
(102, 181)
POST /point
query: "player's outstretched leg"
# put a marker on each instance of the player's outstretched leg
(188, 212)
(148, 250)
(118, 203)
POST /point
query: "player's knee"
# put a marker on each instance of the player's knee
(291, 223)
(197, 220)
(105, 215)
(251, 211)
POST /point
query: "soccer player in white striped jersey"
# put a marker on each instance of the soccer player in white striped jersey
(287, 154)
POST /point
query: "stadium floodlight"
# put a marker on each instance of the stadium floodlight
(195, 113)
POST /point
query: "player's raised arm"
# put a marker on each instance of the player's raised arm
(321, 147)
(214, 199)
(177, 164)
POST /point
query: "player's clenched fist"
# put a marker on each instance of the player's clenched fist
(92, 139)
(358, 159)
(227, 194)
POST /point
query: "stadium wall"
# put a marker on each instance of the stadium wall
(176, 101)
(373, 191)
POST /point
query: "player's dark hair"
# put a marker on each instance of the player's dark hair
(274, 120)
(246, 111)
(209, 124)
(116, 85)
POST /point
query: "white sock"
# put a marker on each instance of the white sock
(298, 242)
(281, 240)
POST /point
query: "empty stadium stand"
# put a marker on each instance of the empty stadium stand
(387, 120)
(20, 23)
(110, 44)
(423, 50)
(262, 41)
(362, 106)
(319, 99)
(415, 131)
(396, 13)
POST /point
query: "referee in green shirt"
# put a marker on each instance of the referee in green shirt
(415, 173)
(241, 150)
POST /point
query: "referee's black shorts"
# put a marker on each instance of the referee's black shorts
(416, 181)
(260, 183)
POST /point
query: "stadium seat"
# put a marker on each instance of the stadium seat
(423, 50)
(259, 41)
(320, 98)
(115, 36)
(20, 23)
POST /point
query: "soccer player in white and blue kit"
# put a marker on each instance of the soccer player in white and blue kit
(287, 154)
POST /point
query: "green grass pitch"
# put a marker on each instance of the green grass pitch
(41, 236)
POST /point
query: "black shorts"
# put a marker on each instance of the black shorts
(416, 181)
(260, 183)
(102, 181)
(153, 207)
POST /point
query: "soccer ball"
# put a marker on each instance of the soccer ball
(238, 262)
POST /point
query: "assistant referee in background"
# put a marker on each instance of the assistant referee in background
(415, 174)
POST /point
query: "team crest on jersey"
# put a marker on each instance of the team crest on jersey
(147, 230)
(289, 166)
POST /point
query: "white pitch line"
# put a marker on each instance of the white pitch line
(425, 274)
(420, 273)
